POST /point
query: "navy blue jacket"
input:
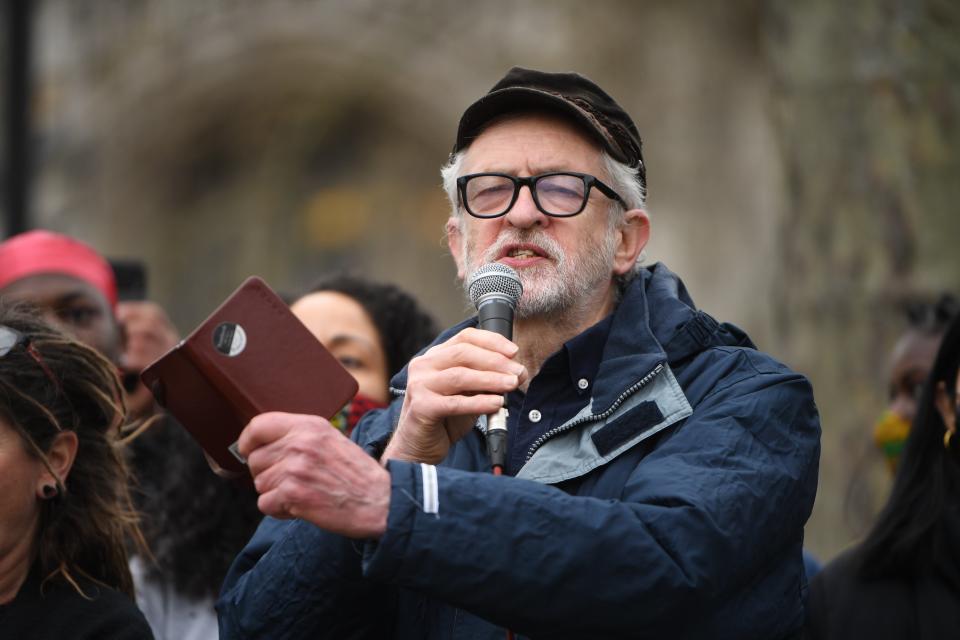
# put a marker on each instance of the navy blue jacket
(673, 505)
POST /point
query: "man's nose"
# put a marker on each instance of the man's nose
(524, 213)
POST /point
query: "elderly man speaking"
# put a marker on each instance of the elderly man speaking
(658, 470)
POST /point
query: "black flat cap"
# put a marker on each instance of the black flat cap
(569, 94)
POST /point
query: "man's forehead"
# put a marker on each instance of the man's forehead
(50, 289)
(544, 142)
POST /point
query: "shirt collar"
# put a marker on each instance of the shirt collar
(582, 354)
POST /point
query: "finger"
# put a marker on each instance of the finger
(486, 339)
(267, 476)
(266, 428)
(293, 456)
(264, 458)
(471, 405)
(461, 380)
(301, 450)
(274, 504)
(465, 354)
(437, 409)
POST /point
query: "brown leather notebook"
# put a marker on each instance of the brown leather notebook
(250, 356)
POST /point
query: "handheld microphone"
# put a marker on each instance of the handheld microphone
(495, 290)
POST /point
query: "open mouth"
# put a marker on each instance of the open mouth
(522, 252)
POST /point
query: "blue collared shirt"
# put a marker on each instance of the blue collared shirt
(562, 388)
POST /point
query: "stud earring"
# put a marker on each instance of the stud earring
(49, 491)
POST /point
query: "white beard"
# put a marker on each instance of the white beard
(556, 286)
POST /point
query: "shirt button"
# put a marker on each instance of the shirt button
(582, 383)
(534, 416)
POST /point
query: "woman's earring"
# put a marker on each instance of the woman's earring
(946, 438)
(49, 491)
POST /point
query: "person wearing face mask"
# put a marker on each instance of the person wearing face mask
(910, 364)
(875, 463)
(903, 580)
(372, 328)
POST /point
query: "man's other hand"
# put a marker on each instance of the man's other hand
(304, 468)
(447, 388)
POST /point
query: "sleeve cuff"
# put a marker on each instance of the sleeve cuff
(413, 492)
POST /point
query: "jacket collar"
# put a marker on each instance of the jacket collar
(656, 321)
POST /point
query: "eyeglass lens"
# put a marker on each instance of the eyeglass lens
(558, 194)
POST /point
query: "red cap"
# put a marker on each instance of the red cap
(36, 252)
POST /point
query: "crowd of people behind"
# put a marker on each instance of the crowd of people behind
(169, 527)
(113, 525)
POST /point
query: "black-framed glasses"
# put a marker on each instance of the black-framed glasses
(11, 338)
(560, 194)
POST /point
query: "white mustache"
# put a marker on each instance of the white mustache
(548, 245)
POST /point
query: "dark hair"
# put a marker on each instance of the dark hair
(403, 326)
(59, 384)
(194, 521)
(932, 317)
(909, 537)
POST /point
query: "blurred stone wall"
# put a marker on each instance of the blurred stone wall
(287, 138)
(866, 100)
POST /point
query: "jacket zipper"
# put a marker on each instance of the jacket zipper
(594, 417)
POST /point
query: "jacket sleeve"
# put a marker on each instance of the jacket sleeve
(294, 580)
(706, 523)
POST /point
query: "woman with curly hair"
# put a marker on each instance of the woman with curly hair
(903, 580)
(65, 509)
(372, 328)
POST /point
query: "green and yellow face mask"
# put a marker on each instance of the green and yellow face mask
(890, 433)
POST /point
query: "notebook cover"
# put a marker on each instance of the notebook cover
(250, 356)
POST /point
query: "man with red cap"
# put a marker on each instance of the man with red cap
(74, 288)
(69, 283)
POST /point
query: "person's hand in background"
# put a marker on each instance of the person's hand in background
(148, 334)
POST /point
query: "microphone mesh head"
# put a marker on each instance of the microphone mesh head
(495, 278)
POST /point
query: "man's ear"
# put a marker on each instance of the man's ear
(632, 237)
(947, 411)
(62, 453)
(455, 244)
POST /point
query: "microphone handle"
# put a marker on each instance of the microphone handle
(497, 315)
